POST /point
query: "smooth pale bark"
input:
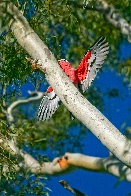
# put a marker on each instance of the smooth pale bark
(67, 163)
(81, 108)
(22, 102)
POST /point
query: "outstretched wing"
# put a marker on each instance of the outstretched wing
(48, 105)
(92, 62)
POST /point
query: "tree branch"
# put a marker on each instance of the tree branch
(76, 192)
(77, 104)
(68, 163)
(115, 18)
(111, 15)
(31, 164)
(21, 102)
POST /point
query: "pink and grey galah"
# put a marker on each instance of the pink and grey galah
(82, 77)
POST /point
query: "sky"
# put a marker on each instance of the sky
(117, 111)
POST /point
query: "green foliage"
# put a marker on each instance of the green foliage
(14, 69)
(22, 185)
(11, 182)
(126, 70)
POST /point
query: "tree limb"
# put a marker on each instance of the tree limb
(68, 163)
(110, 14)
(23, 101)
(76, 192)
(77, 104)
(115, 18)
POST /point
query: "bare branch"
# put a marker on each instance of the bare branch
(21, 102)
(105, 165)
(76, 192)
(110, 14)
(115, 18)
(68, 163)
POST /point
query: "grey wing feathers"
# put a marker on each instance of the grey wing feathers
(99, 52)
(48, 106)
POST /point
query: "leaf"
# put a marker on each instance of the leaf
(43, 139)
(13, 134)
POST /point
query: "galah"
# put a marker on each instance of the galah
(82, 77)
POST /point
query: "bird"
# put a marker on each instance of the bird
(81, 77)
